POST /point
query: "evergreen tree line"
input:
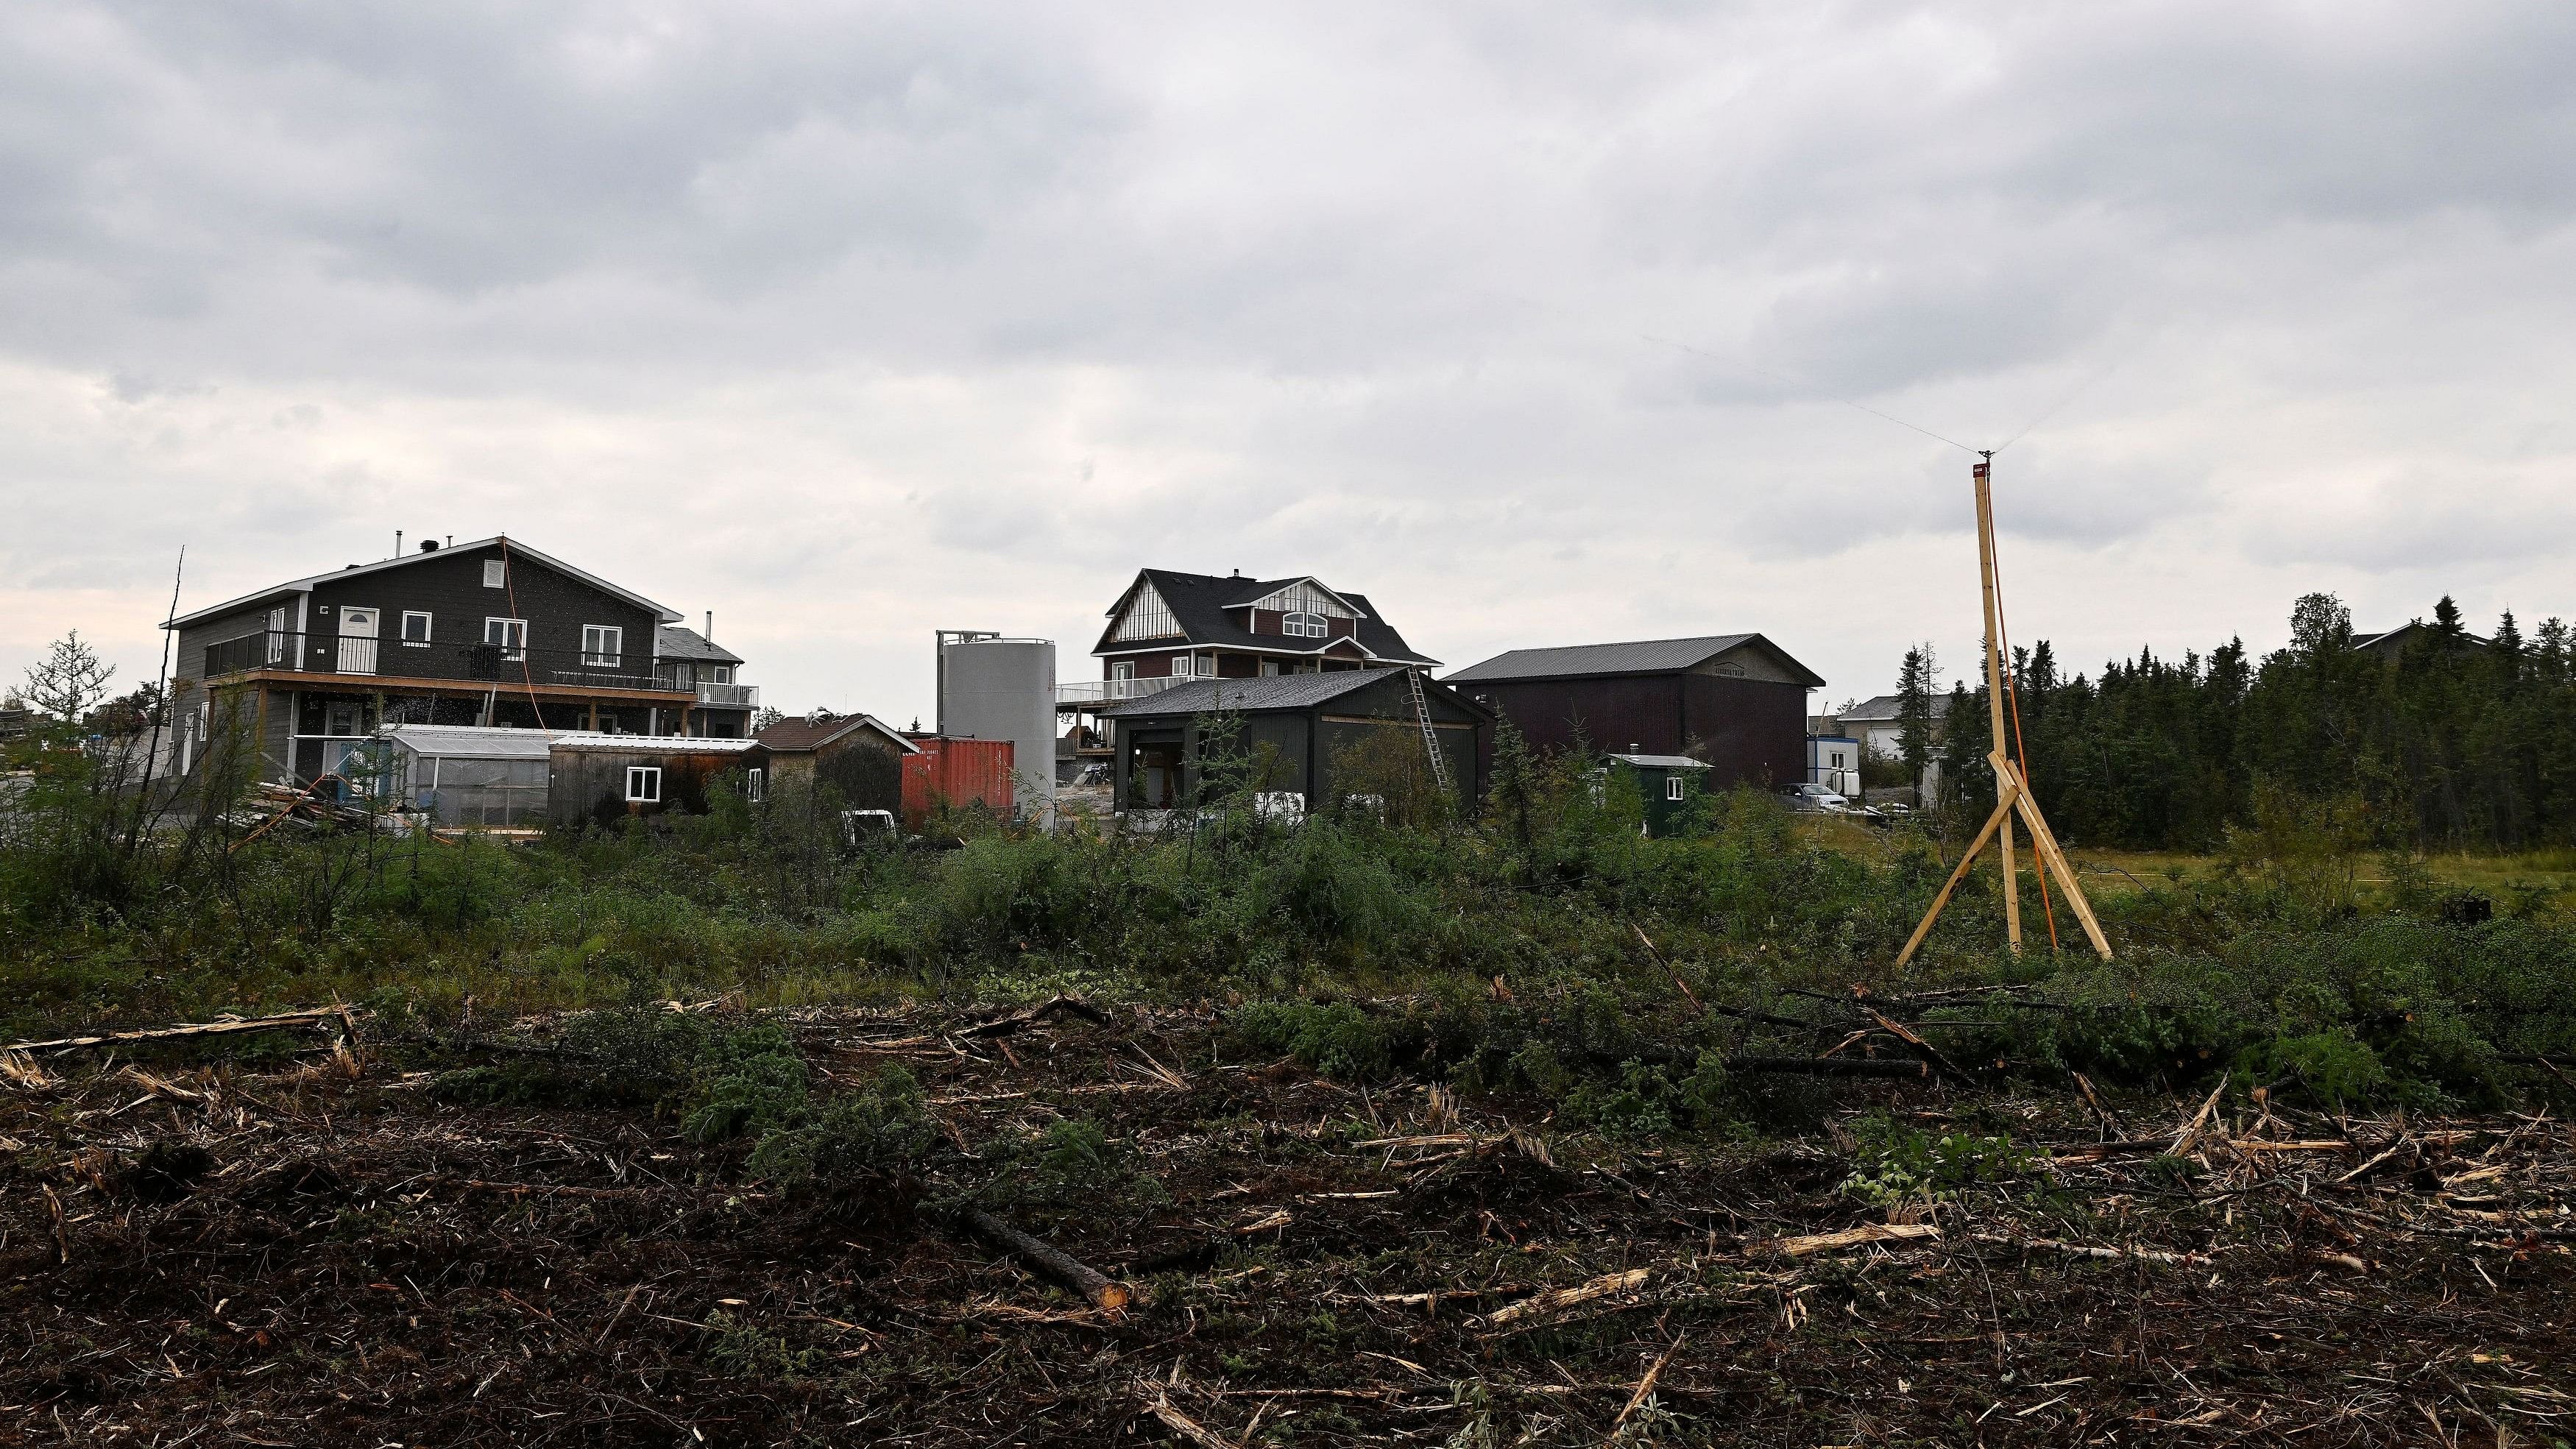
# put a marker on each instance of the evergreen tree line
(2452, 745)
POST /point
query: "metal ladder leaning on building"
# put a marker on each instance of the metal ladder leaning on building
(1430, 737)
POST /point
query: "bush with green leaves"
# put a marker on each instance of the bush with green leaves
(879, 1129)
(1072, 1160)
(1649, 1101)
(1894, 1163)
(1338, 1040)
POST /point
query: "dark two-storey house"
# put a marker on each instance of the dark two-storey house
(491, 633)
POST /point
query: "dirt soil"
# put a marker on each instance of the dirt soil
(326, 1253)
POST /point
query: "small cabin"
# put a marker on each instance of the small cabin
(858, 755)
(1667, 785)
(601, 778)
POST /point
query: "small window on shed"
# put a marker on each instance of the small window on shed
(644, 784)
(1673, 787)
(753, 783)
(495, 573)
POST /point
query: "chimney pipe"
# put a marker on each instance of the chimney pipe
(398, 543)
(709, 632)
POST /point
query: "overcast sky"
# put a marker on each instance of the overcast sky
(853, 322)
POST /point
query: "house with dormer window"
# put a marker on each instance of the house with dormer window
(1168, 628)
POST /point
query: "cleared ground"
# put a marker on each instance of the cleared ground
(326, 1252)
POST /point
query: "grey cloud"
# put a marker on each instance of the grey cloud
(710, 290)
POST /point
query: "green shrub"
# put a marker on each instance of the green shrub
(879, 1129)
(1893, 1163)
(749, 1081)
(1339, 1040)
(1649, 1101)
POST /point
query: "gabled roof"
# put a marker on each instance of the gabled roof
(1200, 603)
(796, 736)
(670, 641)
(2395, 641)
(1257, 590)
(1884, 708)
(305, 585)
(1641, 656)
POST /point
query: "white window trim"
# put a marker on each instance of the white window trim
(1673, 787)
(514, 652)
(1306, 624)
(496, 574)
(428, 628)
(612, 635)
(755, 784)
(720, 674)
(649, 778)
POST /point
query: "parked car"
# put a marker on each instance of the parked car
(1814, 800)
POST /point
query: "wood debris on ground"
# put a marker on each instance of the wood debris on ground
(309, 1253)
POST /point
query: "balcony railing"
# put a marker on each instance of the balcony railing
(1110, 691)
(403, 659)
(743, 696)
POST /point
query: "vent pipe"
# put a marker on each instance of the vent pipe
(709, 633)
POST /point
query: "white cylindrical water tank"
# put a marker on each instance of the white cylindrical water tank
(1004, 689)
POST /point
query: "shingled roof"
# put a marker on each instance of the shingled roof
(1199, 603)
(1640, 656)
(1279, 691)
(795, 736)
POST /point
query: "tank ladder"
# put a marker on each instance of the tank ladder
(1430, 736)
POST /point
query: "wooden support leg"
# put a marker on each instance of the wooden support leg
(2012, 879)
(2045, 841)
(2003, 808)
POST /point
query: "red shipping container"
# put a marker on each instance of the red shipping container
(955, 773)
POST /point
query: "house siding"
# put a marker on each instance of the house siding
(1751, 731)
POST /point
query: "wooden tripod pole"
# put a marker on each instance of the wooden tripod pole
(1995, 693)
(2012, 792)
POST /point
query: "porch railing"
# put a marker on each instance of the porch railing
(316, 653)
(1110, 691)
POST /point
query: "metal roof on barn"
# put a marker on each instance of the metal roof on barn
(1640, 656)
(1662, 762)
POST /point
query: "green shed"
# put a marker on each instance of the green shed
(1668, 784)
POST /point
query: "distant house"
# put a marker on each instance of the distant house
(490, 633)
(1297, 727)
(2393, 645)
(1169, 628)
(601, 778)
(857, 754)
(1666, 786)
(1876, 724)
(1737, 702)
